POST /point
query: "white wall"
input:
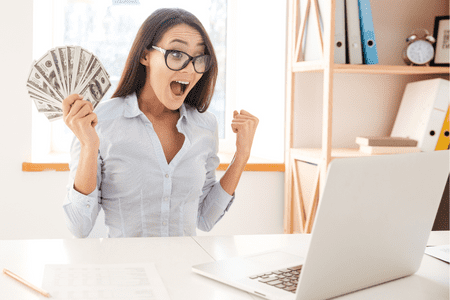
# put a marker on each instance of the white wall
(31, 203)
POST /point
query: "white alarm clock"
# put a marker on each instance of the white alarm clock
(419, 49)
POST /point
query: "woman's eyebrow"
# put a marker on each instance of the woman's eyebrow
(184, 42)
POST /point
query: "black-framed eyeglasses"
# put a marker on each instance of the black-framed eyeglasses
(178, 60)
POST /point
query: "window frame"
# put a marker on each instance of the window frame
(244, 35)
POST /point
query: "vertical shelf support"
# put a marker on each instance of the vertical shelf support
(295, 36)
(314, 202)
(301, 33)
(288, 188)
(316, 6)
(328, 95)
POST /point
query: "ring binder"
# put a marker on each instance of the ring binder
(368, 42)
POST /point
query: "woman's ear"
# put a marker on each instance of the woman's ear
(145, 59)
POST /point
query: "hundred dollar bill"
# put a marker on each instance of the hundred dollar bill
(76, 59)
(97, 87)
(39, 97)
(104, 69)
(70, 60)
(57, 61)
(33, 90)
(81, 82)
(38, 82)
(93, 66)
(90, 71)
(50, 99)
(62, 57)
(81, 64)
(38, 94)
(47, 68)
(53, 116)
(45, 107)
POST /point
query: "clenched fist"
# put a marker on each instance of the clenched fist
(79, 116)
(244, 125)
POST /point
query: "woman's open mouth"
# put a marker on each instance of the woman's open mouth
(179, 87)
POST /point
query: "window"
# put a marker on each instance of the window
(254, 59)
(107, 28)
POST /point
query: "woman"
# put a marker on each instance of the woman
(148, 156)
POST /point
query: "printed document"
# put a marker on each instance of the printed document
(104, 281)
(440, 252)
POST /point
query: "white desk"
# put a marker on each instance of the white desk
(175, 256)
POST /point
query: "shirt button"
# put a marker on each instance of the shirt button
(167, 198)
(164, 223)
(88, 206)
(167, 175)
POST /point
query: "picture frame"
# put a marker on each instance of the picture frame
(442, 46)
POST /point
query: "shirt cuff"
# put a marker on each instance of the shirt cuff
(85, 203)
(224, 200)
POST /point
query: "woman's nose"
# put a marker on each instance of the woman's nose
(189, 68)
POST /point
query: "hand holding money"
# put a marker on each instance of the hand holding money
(65, 71)
(79, 116)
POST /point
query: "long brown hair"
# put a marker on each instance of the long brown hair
(151, 32)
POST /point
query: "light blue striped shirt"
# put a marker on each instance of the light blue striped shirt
(139, 192)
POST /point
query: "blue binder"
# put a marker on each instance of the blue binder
(369, 45)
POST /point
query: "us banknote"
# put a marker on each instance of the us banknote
(63, 71)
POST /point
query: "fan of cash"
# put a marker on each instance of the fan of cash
(63, 71)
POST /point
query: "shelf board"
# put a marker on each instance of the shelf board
(314, 155)
(319, 66)
(308, 66)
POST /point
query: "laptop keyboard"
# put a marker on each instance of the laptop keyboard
(285, 279)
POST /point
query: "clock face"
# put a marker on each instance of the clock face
(420, 52)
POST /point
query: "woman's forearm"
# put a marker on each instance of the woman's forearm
(86, 175)
(230, 179)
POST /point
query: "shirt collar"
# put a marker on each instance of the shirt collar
(183, 111)
(132, 107)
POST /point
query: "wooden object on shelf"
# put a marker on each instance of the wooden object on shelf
(390, 141)
(301, 202)
(388, 150)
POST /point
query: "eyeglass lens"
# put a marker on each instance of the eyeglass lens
(177, 60)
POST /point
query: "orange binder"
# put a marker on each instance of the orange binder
(444, 137)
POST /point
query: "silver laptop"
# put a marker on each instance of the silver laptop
(372, 225)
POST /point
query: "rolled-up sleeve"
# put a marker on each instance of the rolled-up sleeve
(81, 211)
(214, 201)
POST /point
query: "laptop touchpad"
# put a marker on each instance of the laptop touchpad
(276, 259)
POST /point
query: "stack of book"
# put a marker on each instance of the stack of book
(386, 145)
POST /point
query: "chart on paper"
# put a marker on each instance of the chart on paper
(104, 281)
